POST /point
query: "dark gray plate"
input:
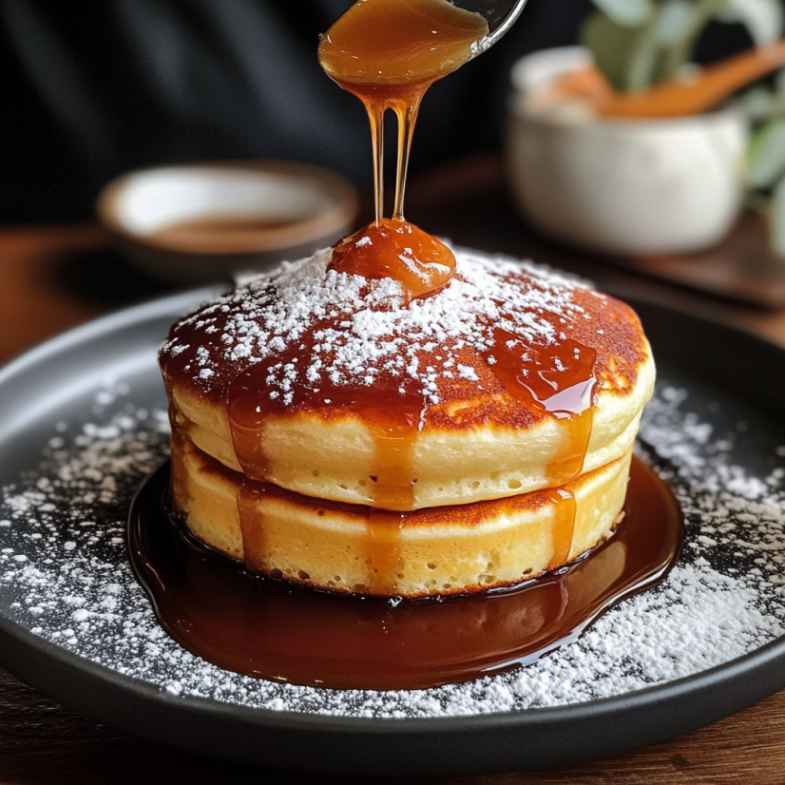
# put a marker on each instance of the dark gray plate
(57, 381)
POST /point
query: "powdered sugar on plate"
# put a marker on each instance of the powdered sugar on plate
(65, 576)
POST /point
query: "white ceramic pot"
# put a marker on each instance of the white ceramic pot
(619, 186)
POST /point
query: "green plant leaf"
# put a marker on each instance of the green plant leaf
(777, 220)
(626, 55)
(779, 81)
(610, 44)
(674, 22)
(643, 57)
(627, 13)
(766, 155)
(763, 18)
(757, 103)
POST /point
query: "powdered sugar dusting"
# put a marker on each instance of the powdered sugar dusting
(64, 572)
(363, 329)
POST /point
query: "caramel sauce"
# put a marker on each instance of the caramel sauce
(268, 629)
(383, 551)
(558, 379)
(179, 474)
(388, 53)
(399, 43)
(396, 249)
(252, 526)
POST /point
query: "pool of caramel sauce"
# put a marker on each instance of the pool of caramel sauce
(267, 629)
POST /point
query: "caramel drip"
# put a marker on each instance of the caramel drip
(568, 466)
(247, 410)
(252, 526)
(404, 102)
(384, 551)
(559, 380)
(375, 113)
(179, 476)
(392, 475)
(392, 487)
(406, 112)
(565, 508)
(247, 413)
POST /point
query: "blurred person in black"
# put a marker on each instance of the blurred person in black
(97, 88)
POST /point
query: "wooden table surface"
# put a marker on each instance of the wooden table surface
(55, 277)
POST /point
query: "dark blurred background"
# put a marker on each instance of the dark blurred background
(96, 88)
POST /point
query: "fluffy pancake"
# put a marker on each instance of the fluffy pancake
(357, 388)
(342, 547)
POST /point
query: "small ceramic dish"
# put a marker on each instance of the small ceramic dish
(204, 222)
(620, 186)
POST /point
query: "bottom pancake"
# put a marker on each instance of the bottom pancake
(349, 548)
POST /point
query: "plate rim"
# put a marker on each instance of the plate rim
(645, 697)
(718, 676)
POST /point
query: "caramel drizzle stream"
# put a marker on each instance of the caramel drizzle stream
(562, 471)
(375, 111)
(406, 107)
(252, 527)
(406, 112)
(393, 489)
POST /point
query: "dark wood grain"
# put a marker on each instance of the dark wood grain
(743, 267)
(53, 277)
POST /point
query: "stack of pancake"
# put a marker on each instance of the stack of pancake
(329, 432)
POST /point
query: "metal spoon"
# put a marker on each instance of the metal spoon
(501, 16)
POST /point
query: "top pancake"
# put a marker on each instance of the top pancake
(335, 365)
